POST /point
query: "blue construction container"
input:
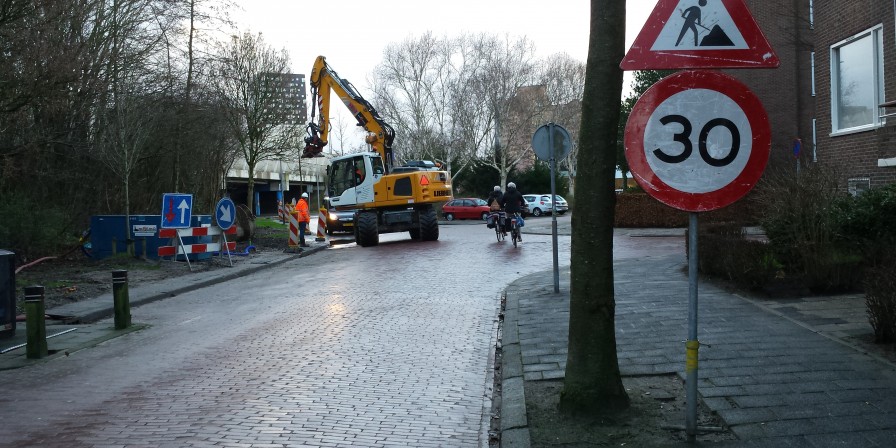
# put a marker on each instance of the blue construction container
(107, 235)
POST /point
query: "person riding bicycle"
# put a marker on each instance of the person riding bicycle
(495, 198)
(512, 201)
(494, 206)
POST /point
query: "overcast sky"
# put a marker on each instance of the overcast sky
(352, 34)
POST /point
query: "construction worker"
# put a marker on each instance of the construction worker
(303, 217)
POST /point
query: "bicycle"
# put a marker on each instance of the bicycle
(497, 218)
(515, 229)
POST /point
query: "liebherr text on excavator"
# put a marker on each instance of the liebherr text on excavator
(384, 198)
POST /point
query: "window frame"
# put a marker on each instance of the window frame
(876, 35)
(858, 185)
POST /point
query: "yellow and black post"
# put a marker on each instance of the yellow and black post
(35, 323)
(121, 300)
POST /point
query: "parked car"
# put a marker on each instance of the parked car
(465, 208)
(540, 204)
(562, 205)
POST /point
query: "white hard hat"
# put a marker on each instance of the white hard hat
(497, 188)
(304, 195)
(511, 185)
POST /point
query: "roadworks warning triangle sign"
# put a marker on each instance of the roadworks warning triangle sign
(700, 34)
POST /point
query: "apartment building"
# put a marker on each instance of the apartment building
(831, 91)
(855, 90)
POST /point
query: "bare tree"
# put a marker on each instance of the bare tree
(503, 68)
(340, 130)
(564, 81)
(411, 88)
(249, 79)
(124, 141)
(186, 68)
(448, 98)
(593, 383)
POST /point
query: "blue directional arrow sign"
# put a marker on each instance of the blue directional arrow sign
(225, 213)
(177, 209)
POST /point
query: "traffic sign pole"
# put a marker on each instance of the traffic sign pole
(697, 159)
(554, 209)
(550, 147)
(692, 346)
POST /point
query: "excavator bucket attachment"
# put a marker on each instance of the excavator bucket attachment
(314, 144)
(313, 148)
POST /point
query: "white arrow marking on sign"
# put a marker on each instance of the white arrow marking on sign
(225, 214)
(183, 207)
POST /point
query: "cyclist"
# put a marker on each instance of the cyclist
(512, 201)
(495, 197)
(494, 205)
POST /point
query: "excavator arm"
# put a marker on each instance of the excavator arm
(324, 81)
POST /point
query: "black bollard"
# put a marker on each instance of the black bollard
(35, 323)
(122, 303)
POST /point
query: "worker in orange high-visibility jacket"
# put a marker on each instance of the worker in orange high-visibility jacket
(304, 218)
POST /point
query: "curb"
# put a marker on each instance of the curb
(514, 424)
(100, 313)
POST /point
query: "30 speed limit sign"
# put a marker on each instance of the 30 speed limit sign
(697, 140)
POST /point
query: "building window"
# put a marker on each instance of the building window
(858, 185)
(813, 73)
(812, 14)
(857, 81)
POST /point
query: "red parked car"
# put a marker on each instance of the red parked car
(465, 208)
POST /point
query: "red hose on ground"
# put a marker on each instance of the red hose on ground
(33, 263)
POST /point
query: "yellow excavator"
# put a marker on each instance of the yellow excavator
(381, 197)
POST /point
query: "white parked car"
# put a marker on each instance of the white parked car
(540, 204)
(562, 205)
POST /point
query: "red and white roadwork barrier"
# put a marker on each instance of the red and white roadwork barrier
(293, 230)
(321, 225)
(183, 249)
(284, 210)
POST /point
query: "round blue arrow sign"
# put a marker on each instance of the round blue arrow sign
(225, 213)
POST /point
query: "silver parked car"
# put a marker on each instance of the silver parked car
(540, 204)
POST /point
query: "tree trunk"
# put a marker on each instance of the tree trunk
(250, 188)
(593, 383)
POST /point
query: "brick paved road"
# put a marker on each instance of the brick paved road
(384, 346)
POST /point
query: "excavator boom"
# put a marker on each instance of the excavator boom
(324, 81)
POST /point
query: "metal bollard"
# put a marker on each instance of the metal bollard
(35, 323)
(122, 303)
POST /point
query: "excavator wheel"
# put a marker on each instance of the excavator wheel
(366, 232)
(429, 225)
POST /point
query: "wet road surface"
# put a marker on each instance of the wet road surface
(382, 346)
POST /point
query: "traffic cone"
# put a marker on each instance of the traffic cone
(321, 226)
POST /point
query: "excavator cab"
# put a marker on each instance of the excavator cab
(351, 178)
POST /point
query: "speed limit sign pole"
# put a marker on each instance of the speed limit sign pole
(697, 141)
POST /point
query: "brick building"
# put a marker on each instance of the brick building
(830, 86)
(786, 91)
(855, 59)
